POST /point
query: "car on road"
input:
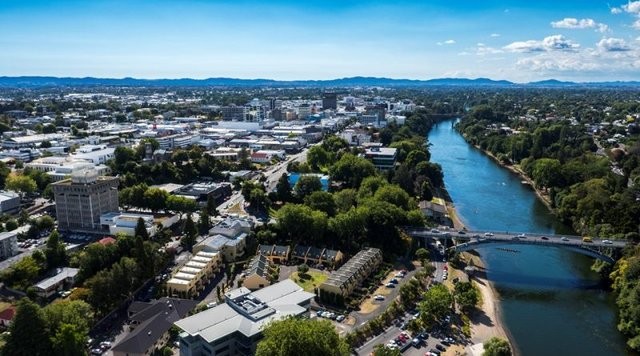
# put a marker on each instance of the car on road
(515, 238)
(378, 297)
(211, 305)
(523, 236)
(544, 238)
(488, 234)
(461, 232)
(608, 242)
(435, 231)
(564, 238)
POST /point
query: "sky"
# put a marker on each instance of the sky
(521, 41)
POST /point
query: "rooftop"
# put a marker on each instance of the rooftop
(247, 312)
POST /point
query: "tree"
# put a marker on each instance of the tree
(11, 225)
(423, 255)
(322, 201)
(69, 341)
(318, 157)
(20, 183)
(496, 347)
(289, 336)
(155, 199)
(55, 252)
(303, 269)
(547, 172)
(204, 224)
(301, 223)
(45, 144)
(436, 304)
(28, 334)
(141, 230)
(283, 189)
(383, 350)
(306, 185)
(395, 195)
(190, 233)
(466, 295)
(352, 170)
(345, 199)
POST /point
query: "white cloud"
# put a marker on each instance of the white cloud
(482, 50)
(447, 42)
(616, 10)
(573, 23)
(613, 45)
(611, 55)
(550, 43)
(636, 25)
(633, 7)
(494, 35)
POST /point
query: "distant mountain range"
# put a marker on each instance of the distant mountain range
(39, 81)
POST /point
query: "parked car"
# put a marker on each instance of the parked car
(416, 342)
(390, 285)
(394, 281)
(441, 348)
(340, 318)
(378, 297)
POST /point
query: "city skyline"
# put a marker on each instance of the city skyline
(284, 40)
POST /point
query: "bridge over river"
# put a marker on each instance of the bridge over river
(470, 240)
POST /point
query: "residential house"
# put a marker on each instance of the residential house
(151, 323)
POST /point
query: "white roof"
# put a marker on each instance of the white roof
(212, 324)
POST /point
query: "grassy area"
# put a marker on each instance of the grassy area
(4, 305)
(312, 279)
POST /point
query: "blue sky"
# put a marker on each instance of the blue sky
(515, 40)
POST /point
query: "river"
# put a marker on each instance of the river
(551, 302)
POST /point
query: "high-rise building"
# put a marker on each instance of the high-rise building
(329, 100)
(82, 199)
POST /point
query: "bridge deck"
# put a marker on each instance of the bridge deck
(516, 238)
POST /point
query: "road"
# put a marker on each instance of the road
(272, 174)
(517, 237)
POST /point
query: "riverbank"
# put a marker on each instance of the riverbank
(486, 322)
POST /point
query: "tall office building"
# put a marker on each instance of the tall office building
(82, 199)
(329, 100)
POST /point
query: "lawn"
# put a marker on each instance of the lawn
(313, 279)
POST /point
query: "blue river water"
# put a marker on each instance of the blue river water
(551, 302)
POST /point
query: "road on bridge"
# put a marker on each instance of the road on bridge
(515, 237)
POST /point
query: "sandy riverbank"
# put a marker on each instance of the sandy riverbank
(486, 322)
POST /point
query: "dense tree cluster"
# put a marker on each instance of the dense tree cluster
(58, 329)
(289, 336)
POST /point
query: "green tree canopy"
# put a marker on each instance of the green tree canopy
(306, 185)
(28, 333)
(321, 201)
(293, 336)
(496, 347)
(301, 223)
(352, 170)
(20, 183)
(436, 304)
